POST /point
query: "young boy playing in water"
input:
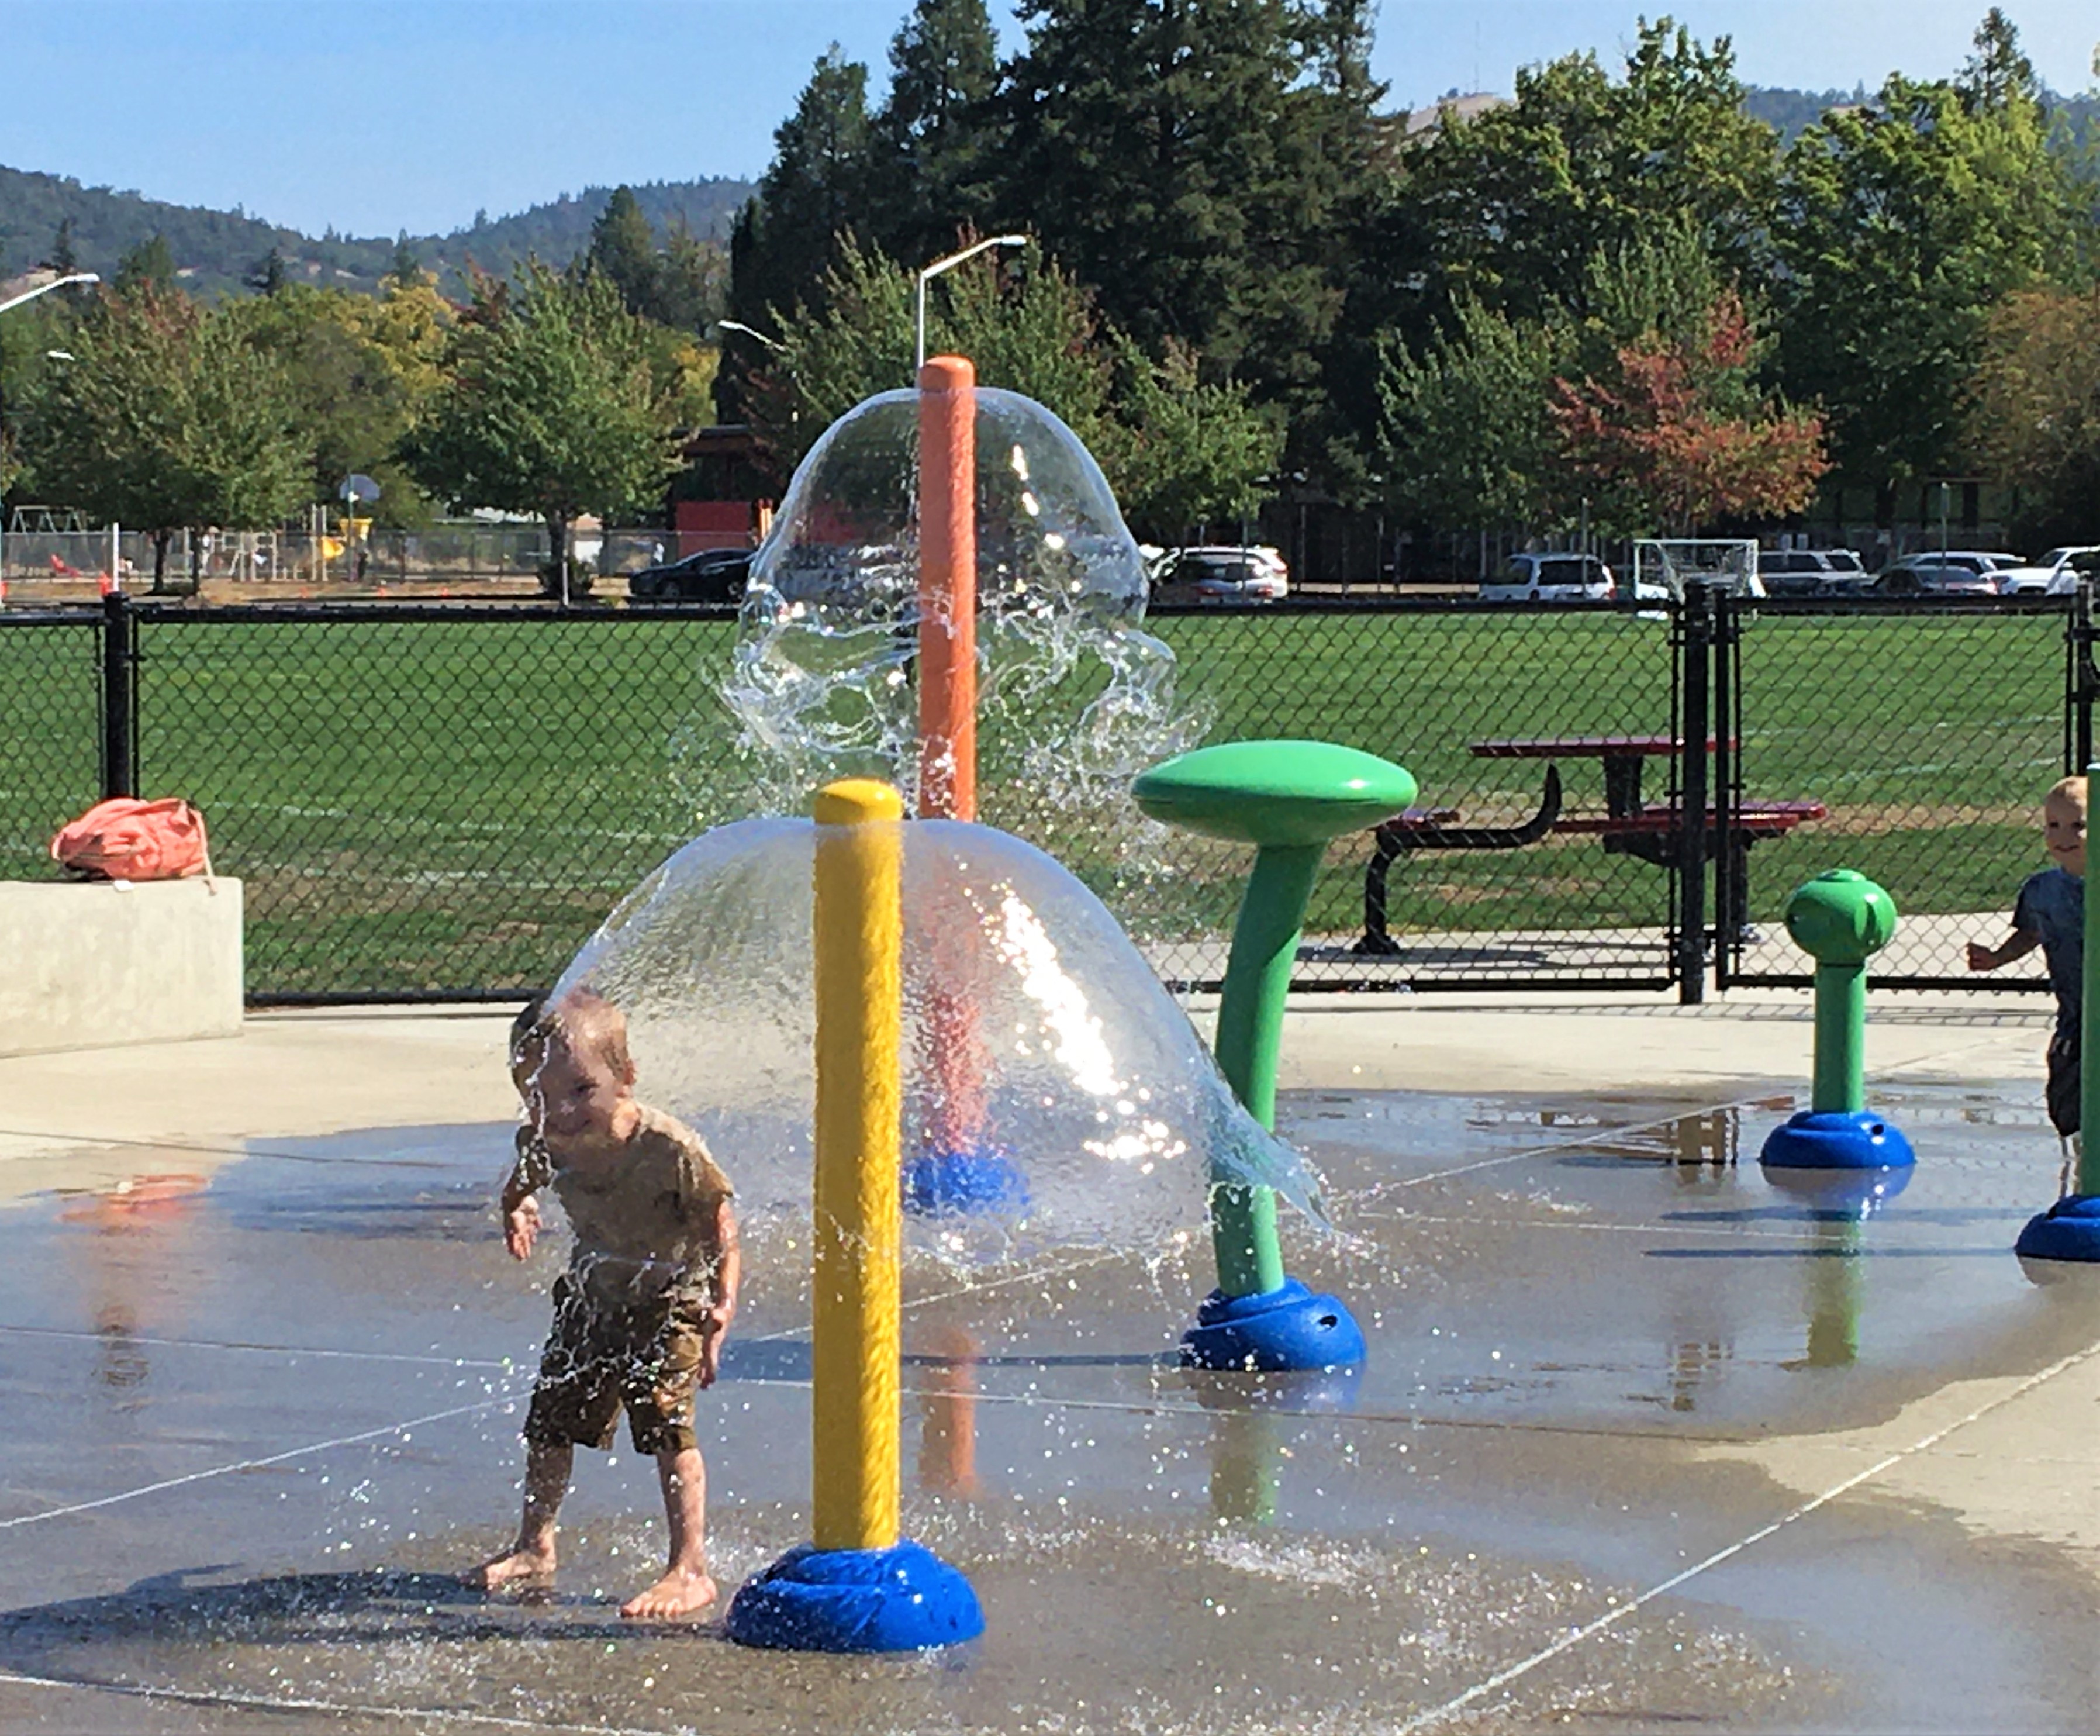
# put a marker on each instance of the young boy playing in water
(650, 1287)
(2050, 914)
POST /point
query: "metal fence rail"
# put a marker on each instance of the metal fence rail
(440, 801)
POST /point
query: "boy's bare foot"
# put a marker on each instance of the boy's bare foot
(516, 1567)
(678, 1594)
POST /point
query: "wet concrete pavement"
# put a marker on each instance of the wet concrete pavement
(1642, 1441)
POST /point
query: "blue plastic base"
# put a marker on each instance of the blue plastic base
(1851, 1194)
(939, 1184)
(2069, 1230)
(1836, 1139)
(1279, 1329)
(904, 1598)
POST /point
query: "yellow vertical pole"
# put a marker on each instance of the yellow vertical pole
(855, 1408)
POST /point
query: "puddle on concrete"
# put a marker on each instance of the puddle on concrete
(322, 1352)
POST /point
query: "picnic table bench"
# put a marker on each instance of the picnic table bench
(1652, 831)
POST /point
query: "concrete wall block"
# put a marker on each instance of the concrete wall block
(89, 966)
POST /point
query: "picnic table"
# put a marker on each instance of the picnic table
(1630, 825)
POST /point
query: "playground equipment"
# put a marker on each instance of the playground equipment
(858, 1585)
(1288, 799)
(2069, 1230)
(1841, 920)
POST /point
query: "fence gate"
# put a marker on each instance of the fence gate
(1927, 730)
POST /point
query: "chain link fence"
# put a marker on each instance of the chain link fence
(43, 565)
(1930, 730)
(443, 800)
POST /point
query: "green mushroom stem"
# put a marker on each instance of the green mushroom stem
(1250, 1045)
(1288, 799)
(1840, 1079)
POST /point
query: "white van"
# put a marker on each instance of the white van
(1550, 578)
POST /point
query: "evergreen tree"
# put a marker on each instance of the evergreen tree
(406, 270)
(149, 265)
(63, 259)
(1175, 155)
(266, 276)
(933, 145)
(624, 248)
(788, 236)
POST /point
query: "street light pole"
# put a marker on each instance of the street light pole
(934, 271)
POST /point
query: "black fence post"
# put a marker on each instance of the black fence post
(1731, 890)
(1698, 639)
(119, 709)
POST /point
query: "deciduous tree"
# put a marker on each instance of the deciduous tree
(550, 406)
(1664, 435)
(2034, 412)
(1175, 447)
(1903, 222)
(168, 418)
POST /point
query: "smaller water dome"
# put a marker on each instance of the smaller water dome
(1072, 691)
(1079, 1065)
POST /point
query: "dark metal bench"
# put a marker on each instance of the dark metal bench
(1437, 829)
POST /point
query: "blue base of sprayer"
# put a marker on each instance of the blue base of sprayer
(1836, 1139)
(1852, 1195)
(944, 1184)
(902, 1599)
(2069, 1230)
(1277, 1331)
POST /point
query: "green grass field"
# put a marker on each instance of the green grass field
(450, 804)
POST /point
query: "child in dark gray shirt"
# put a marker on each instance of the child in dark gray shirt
(2050, 913)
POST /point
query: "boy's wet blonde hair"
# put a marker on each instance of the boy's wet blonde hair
(581, 1019)
(2066, 789)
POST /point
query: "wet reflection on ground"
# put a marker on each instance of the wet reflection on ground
(259, 1419)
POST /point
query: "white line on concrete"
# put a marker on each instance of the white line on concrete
(1502, 1678)
(269, 1349)
(421, 1715)
(252, 1465)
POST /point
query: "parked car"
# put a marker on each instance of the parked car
(1550, 578)
(1957, 572)
(2054, 574)
(711, 576)
(1220, 574)
(1812, 572)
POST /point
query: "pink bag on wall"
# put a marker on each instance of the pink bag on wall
(126, 838)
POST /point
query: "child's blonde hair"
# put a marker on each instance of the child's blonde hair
(2069, 789)
(581, 1019)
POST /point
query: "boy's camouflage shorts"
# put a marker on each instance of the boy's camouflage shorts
(600, 1359)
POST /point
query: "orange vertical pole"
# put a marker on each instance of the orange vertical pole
(947, 589)
(948, 698)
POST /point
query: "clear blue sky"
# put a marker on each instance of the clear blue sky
(380, 115)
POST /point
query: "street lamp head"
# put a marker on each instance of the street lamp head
(939, 266)
(45, 289)
(738, 325)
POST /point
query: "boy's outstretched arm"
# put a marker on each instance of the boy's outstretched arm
(521, 1212)
(729, 1276)
(2017, 944)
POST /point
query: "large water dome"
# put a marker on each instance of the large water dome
(1079, 1066)
(1074, 696)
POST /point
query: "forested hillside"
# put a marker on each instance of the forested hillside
(216, 251)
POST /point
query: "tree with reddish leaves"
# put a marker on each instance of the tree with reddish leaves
(1673, 435)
